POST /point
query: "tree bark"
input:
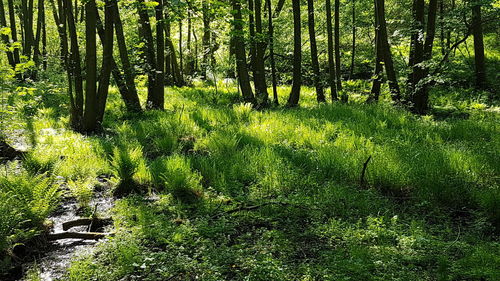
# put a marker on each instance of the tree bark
(479, 59)
(239, 51)
(130, 97)
(13, 29)
(150, 52)
(91, 105)
(377, 75)
(206, 38)
(158, 98)
(259, 70)
(5, 38)
(331, 57)
(271, 51)
(353, 49)
(251, 39)
(107, 60)
(293, 99)
(320, 95)
(74, 70)
(386, 53)
(337, 48)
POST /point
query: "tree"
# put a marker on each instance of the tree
(293, 99)
(331, 65)
(337, 49)
(353, 46)
(150, 66)
(131, 97)
(320, 96)
(158, 98)
(5, 37)
(479, 59)
(239, 51)
(271, 50)
(259, 70)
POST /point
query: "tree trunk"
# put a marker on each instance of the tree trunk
(377, 75)
(5, 37)
(386, 53)
(331, 65)
(239, 51)
(74, 70)
(205, 39)
(158, 98)
(150, 52)
(320, 95)
(131, 97)
(91, 105)
(38, 38)
(251, 40)
(181, 52)
(107, 59)
(337, 48)
(169, 76)
(293, 99)
(13, 29)
(353, 49)
(271, 51)
(44, 40)
(479, 59)
(259, 70)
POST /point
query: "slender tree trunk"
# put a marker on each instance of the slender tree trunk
(353, 49)
(271, 51)
(320, 95)
(386, 53)
(239, 50)
(181, 53)
(251, 28)
(337, 49)
(125, 93)
(417, 46)
(169, 76)
(38, 38)
(44, 40)
(442, 30)
(158, 100)
(74, 70)
(293, 99)
(479, 59)
(206, 38)
(107, 59)
(150, 53)
(189, 59)
(5, 37)
(91, 105)
(421, 96)
(259, 69)
(13, 29)
(377, 76)
(331, 57)
(131, 97)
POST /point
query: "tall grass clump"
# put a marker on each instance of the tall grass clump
(174, 173)
(125, 164)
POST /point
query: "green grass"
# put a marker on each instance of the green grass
(428, 211)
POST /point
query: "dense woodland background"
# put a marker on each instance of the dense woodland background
(250, 140)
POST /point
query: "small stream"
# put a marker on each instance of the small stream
(53, 263)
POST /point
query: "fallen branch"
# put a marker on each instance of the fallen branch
(95, 223)
(362, 182)
(77, 235)
(255, 207)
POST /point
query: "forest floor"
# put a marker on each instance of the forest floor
(319, 192)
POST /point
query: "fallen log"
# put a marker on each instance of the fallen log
(95, 223)
(77, 235)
